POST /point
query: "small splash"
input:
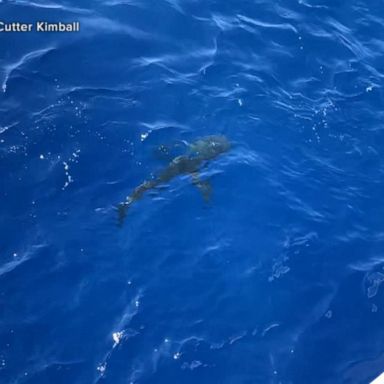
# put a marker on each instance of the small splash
(192, 365)
(117, 336)
(102, 368)
(375, 280)
(279, 268)
(68, 176)
(73, 159)
(236, 338)
(268, 328)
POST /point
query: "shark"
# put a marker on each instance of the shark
(198, 154)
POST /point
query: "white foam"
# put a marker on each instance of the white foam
(379, 380)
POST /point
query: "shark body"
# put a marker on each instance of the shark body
(197, 156)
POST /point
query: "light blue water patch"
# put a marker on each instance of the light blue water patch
(277, 278)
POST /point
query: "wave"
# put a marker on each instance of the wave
(8, 69)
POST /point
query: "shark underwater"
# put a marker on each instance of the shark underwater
(197, 156)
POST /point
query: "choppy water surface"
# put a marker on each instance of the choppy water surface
(278, 278)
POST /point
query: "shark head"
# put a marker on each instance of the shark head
(210, 147)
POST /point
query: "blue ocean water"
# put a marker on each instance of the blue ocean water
(277, 279)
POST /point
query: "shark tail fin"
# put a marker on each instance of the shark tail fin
(122, 209)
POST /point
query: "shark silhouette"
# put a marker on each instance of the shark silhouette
(198, 154)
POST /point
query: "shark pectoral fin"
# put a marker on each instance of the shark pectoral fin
(204, 186)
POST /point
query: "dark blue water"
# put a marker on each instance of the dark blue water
(277, 279)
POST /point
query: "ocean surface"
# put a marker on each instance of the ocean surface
(277, 278)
